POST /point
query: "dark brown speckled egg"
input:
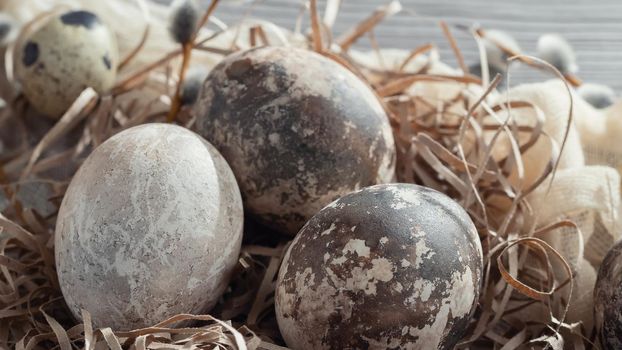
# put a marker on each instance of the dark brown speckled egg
(608, 299)
(395, 266)
(298, 130)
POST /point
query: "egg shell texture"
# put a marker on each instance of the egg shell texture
(298, 130)
(68, 54)
(150, 227)
(608, 299)
(387, 267)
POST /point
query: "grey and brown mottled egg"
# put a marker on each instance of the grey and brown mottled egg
(69, 53)
(608, 299)
(150, 227)
(298, 130)
(394, 266)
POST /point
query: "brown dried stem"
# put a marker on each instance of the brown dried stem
(454, 47)
(186, 54)
(176, 102)
(316, 31)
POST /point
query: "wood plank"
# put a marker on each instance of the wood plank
(593, 28)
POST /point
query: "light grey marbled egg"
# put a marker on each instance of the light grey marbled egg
(298, 129)
(68, 54)
(150, 226)
(394, 266)
(608, 299)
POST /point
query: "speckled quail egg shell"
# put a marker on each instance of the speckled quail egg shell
(71, 52)
(298, 129)
(150, 227)
(387, 267)
(608, 299)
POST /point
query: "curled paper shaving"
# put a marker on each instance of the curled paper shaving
(514, 160)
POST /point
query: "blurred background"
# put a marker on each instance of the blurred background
(593, 28)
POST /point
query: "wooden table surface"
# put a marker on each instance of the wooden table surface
(594, 28)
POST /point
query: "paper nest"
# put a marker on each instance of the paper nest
(446, 139)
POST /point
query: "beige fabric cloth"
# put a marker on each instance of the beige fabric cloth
(586, 187)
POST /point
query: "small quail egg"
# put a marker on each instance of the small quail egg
(58, 61)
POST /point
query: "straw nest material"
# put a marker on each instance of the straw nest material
(508, 158)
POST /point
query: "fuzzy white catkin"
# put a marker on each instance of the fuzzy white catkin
(496, 57)
(192, 84)
(183, 20)
(493, 70)
(598, 95)
(557, 51)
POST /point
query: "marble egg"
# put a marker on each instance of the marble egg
(150, 227)
(298, 129)
(393, 266)
(69, 53)
(608, 299)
